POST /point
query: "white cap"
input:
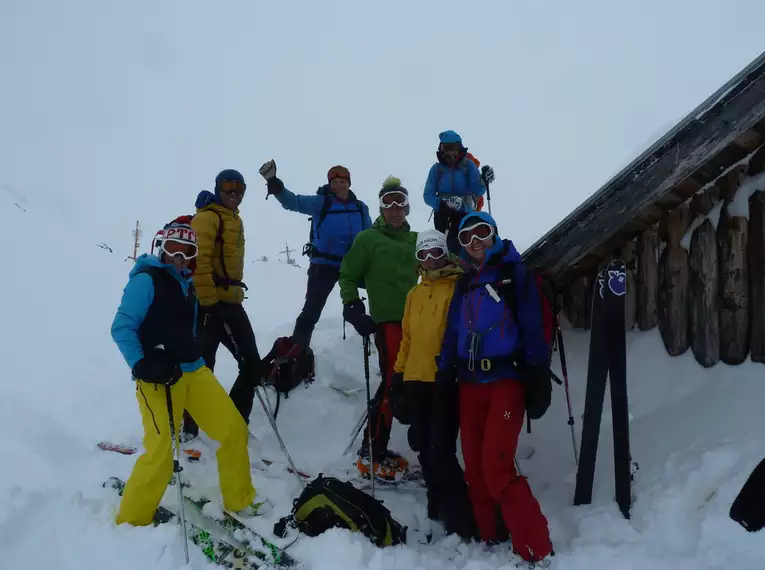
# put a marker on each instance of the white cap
(430, 239)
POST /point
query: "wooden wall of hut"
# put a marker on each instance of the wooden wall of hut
(699, 274)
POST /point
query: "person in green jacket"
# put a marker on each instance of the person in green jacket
(383, 257)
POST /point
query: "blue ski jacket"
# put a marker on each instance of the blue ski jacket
(332, 236)
(443, 182)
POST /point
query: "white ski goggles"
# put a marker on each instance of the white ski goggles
(394, 198)
(481, 231)
(430, 253)
(175, 248)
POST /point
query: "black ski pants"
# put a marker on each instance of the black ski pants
(443, 475)
(228, 324)
(321, 280)
(447, 222)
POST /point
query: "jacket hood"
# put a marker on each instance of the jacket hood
(452, 269)
(205, 198)
(147, 260)
(505, 248)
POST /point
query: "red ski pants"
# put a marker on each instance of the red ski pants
(387, 340)
(491, 418)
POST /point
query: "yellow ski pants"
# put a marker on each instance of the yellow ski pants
(201, 394)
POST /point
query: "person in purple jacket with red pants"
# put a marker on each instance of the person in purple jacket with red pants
(495, 348)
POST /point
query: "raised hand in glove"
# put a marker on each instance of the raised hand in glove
(538, 391)
(487, 174)
(157, 367)
(268, 170)
(355, 313)
(274, 184)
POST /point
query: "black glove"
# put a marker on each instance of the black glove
(397, 399)
(274, 185)
(157, 367)
(487, 174)
(538, 391)
(355, 313)
(446, 377)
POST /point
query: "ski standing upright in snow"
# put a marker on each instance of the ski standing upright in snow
(607, 358)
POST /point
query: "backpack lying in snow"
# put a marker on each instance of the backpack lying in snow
(329, 503)
(287, 366)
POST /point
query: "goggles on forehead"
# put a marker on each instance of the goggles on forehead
(175, 248)
(338, 172)
(394, 198)
(481, 231)
(430, 253)
(231, 187)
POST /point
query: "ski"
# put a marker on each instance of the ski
(256, 544)
(192, 454)
(349, 392)
(218, 545)
(607, 359)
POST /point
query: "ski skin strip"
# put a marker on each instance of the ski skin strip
(216, 549)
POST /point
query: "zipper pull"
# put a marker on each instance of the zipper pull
(492, 292)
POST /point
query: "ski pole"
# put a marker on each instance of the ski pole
(177, 470)
(488, 196)
(564, 371)
(369, 415)
(279, 437)
(356, 430)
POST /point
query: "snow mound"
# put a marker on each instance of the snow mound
(696, 434)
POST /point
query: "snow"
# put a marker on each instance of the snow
(696, 433)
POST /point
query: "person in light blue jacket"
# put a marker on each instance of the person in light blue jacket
(337, 217)
(155, 330)
(453, 186)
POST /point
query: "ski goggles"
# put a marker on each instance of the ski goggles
(394, 198)
(233, 187)
(450, 147)
(481, 231)
(174, 248)
(430, 253)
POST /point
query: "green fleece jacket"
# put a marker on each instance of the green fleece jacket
(384, 258)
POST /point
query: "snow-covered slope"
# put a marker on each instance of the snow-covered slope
(696, 433)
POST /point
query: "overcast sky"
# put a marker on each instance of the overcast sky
(116, 111)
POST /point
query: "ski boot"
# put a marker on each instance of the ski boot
(389, 466)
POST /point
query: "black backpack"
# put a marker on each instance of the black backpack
(329, 503)
(287, 366)
(748, 509)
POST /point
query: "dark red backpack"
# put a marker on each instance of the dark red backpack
(286, 366)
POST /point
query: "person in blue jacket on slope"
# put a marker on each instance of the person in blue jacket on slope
(453, 186)
(337, 217)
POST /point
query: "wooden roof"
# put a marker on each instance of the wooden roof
(724, 129)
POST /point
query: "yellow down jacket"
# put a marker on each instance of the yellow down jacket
(424, 323)
(209, 276)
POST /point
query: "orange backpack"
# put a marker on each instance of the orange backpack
(479, 202)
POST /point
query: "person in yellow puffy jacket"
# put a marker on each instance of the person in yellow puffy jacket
(414, 399)
(218, 281)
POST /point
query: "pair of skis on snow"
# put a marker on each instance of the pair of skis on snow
(224, 540)
(607, 359)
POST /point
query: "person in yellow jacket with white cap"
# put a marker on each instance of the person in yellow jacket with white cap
(432, 416)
